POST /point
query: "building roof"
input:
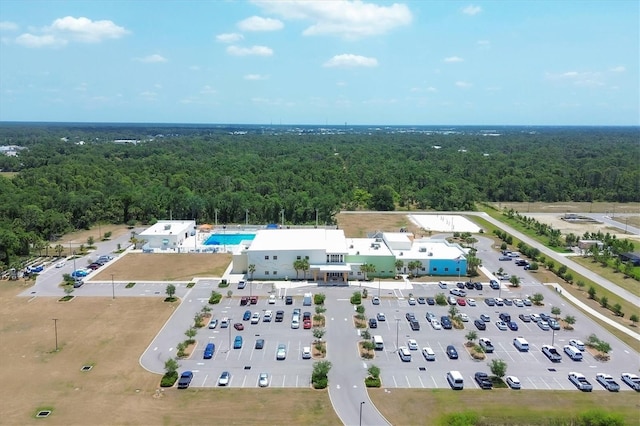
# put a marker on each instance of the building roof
(431, 249)
(329, 240)
(367, 247)
(169, 227)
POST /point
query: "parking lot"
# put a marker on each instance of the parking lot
(533, 368)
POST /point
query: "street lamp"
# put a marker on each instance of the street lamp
(397, 331)
(316, 218)
(553, 336)
(113, 288)
(55, 326)
(195, 238)
(229, 326)
(282, 213)
(246, 217)
(378, 287)
(361, 404)
(215, 211)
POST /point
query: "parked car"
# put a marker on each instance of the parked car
(306, 324)
(485, 318)
(577, 344)
(279, 316)
(463, 317)
(246, 316)
(224, 378)
(499, 301)
(281, 353)
(477, 285)
(471, 302)
(253, 300)
(412, 344)
(480, 325)
(213, 323)
(428, 354)
(288, 300)
(255, 318)
(412, 301)
(490, 301)
(436, 324)
(373, 323)
(502, 326)
(525, 317)
(442, 284)
(553, 324)
(518, 303)
(381, 316)
(508, 302)
(263, 380)
(513, 326)
(504, 258)
(185, 380)
(238, 326)
(77, 283)
(237, 342)
(543, 325)
(452, 353)
(60, 264)
(272, 299)
(461, 301)
(242, 284)
(580, 381)
(495, 285)
(513, 382)
(486, 345)
(259, 344)
(483, 380)
(431, 301)
(209, 350)
(551, 353)
(445, 322)
(244, 300)
(526, 302)
(607, 381)
(375, 300)
(267, 316)
(421, 300)
(632, 380)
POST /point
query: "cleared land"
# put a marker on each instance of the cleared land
(571, 207)
(110, 336)
(165, 267)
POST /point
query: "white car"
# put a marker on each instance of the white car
(412, 301)
(632, 380)
(272, 299)
(282, 352)
(463, 317)
(513, 382)
(577, 344)
(412, 344)
(543, 325)
(428, 354)
(518, 302)
(375, 300)
(224, 379)
(381, 317)
(436, 324)
(60, 264)
(501, 325)
(213, 323)
(607, 381)
(255, 318)
(263, 380)
(471, 302)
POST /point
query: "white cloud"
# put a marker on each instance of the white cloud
(247, 51)
(70, 29)
(618, 69)
(152, 59)
(471, 10)
(484, 43)
(463, 84)
(453, 59)
(229, 37)
(582, 78)
(257, 23)
(208, 90)
(349, 19)
(256, 77)
(8, 26)
(348, 60)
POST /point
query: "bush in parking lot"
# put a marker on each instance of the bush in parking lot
(171, 373)
(373, 379)
(365, 293)
(537, 299)
(498, 367)
(441, 299)
(319, 377)
(360, 309)
(356, 298)
(224, 283)
(198, 320)
(215, 298)
(318, 299)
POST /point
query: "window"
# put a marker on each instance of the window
(298, 257)
(275, 257)
(434, 269)
(266, 272)
(306, 257)
(275, 272)
(446, 269)
(266, 258)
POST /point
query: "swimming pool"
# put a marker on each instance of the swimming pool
(227, 239)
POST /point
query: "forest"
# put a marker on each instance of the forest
(71, 176)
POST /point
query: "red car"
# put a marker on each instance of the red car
(461, 301)
(306, 324)
(238, 326)
(244, 300)
(254, 300)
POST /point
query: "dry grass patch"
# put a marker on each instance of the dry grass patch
(358, 224)
(570, 207)
(165, 267)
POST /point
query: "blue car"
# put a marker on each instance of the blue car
(246, 316)
(209, 350)
(79, 273)
(237, 343)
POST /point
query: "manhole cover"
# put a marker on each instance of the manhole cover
(43, 413)
(422, 368)
(86, 367)
(551, 369)
(247, 367)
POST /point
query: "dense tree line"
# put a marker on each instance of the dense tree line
(200, 173)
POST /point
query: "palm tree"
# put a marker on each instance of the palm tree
(251, 269)
(471, 336)
(297, 265)
(59, 249)
(399, 265)
(305, 268)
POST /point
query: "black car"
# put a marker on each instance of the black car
(185, 380)
(477, 285)
(259, 344)
(431, 301)
(483, 380)
(505, 317)
(373, 323)
(512, 325)
(460, 285)
(288, 300)
(446, 322)
(490, 301)
(480, 325)
(279, 316)
(415, 325)
(469, 285)
(451, 352)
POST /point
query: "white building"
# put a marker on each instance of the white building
(168, 234)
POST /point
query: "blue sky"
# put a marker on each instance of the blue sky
(321, 62)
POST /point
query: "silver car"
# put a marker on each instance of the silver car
(281, 353)
(263, 380)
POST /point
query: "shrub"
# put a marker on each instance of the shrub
(466, 418)
(223, 284)
(441, 299)
(597, 417)
(320, 383)
(215, 298)
(190, 284)
(356, 298)
(169, 379)
(373, 382)
(360, 309)
(130, 285)
(318, 299)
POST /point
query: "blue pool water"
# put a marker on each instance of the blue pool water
(227, 239)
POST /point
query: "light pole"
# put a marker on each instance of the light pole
(55, 326)
(215, 211)
(397, 331)
(282, 213)
(361, 404)
(378, 287)
(246, 217)
(229, 326)
(553, 336)
(195, 238)
(316, 218)
(113, 288)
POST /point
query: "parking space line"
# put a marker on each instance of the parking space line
(532, 382)
(435, 384)
(421, 384)
(205, 380)
(244, 380)
(394, 381)
(408, 382)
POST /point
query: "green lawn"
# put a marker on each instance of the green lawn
(610, 274)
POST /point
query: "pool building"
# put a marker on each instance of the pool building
(333, 258)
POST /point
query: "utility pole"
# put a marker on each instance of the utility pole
(282, 213)
(55, 326)
(361, 404)
(246, 217)
(397, 330)
(113, 288)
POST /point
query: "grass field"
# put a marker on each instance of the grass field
(610, 274)
(571, 207)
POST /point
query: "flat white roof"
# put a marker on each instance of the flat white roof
(174, 227)
(367, 247)
(439, 249)
(331, 240)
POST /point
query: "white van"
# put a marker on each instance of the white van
(428, 354)
(404, 353)
(378, 343)
(455, 380)
(521, 344)
(573, 353)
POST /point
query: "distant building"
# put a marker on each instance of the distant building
(11, 150)
(587, 244)
(634, 258)
(168, 234)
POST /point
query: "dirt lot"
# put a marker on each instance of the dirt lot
(579, 229)
(571, 207)
(165, 267)
(110, 336)
(358, 225)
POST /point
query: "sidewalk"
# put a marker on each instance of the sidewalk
(575, 301)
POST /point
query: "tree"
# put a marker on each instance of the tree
(634, 319)
(533, 266)
(441, 299)
(58, 249)
(471, 336)
(603, 347)
(374, 371)
(318, 333)
(453, 311)
(537, 299)
(90, 241)
(171, 366)
(515, 281)
(592, 292)
(617, 309)
(305, 267)
(570, 320)
(604, 302)
(191, 333)
(555, 311)
(297, 265)
(251, 268)
(498, 367)
(170, 290)
(399, 264)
